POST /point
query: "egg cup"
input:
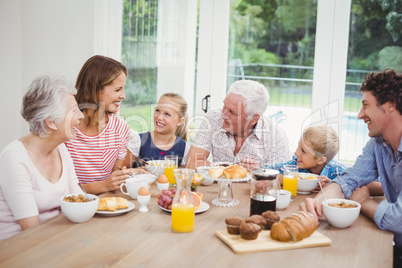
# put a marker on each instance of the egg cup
(143, 200)
(162, 186)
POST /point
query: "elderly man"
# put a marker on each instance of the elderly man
(382, 155)
(239, 132)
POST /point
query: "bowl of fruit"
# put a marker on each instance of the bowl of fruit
(196, 180)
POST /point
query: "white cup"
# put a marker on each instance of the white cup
(132, 186)
(282, 200)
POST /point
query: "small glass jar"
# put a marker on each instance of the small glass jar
(262, 192)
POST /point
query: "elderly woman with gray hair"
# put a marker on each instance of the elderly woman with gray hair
(36, 170)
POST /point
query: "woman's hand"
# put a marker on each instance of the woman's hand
(112, 183)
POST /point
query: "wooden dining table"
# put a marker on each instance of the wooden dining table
(145, 239)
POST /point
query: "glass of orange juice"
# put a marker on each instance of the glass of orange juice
(290, 179)
(170, 164)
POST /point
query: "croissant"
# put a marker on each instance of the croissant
(215, 172)
(235, 172)
(112, 203)
(295, 227)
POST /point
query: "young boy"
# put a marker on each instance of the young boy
(317, 148)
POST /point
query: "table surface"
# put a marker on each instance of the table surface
(138, 239)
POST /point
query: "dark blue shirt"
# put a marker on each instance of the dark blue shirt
(148, 150)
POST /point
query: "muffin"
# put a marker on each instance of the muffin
(233, 224)
(271, 217)
(249, 230)
(260, 220)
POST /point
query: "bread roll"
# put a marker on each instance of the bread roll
(216, 172)
(235, 172)
(112, 203)
(295, 227)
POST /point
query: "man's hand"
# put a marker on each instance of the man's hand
(360, 194)
(250, 163)
(324, 180)
(311, 205)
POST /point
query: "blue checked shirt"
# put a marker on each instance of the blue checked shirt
(332, 169)
(379, 160)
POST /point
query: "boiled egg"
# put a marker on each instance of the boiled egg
(143, 191)
(162, 179)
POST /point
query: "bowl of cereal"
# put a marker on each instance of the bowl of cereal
(306, 183)
(156, 167)
(341, 213)
(77, 208)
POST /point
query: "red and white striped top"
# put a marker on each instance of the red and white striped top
(95, 156)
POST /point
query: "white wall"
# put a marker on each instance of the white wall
(40, 36)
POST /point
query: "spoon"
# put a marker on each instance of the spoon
(131, 175)
(325, 199)
(82, 188)
(143, 162)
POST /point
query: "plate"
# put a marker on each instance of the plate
(204, 207)
(118, 212)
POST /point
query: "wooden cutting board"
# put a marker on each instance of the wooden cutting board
(264, 242)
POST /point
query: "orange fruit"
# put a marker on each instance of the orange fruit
(199, 194)
(197, 200)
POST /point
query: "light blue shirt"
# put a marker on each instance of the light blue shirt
(332, 169)
(379, 160)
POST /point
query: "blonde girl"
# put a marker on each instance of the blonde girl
(169, 136)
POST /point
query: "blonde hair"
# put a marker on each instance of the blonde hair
(182, 130)
(324, 141)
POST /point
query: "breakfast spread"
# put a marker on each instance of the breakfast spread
(295, 227)
(231, 172)
(112, 203)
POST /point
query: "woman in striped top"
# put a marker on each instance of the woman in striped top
(100, 147)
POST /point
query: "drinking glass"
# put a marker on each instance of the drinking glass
(290, 173)
(170, 164)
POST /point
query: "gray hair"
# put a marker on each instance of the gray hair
(45, 99)
(256, 96)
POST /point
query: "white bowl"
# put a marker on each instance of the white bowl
(282, 200)
(224, 164)
(149, 177)
(204, 173)
(341, 217)
(79, 212)
(155, 167)
(305, 186)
